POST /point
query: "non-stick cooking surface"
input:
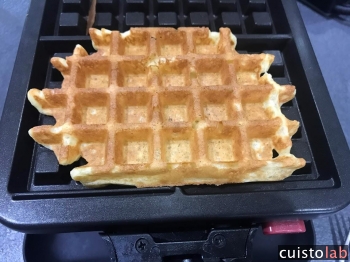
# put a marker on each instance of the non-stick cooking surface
(37, 194)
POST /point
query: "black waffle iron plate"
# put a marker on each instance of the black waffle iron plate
(38, 195)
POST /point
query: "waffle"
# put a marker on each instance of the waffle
(166, 107)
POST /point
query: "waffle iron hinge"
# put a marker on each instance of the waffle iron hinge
(219, 245)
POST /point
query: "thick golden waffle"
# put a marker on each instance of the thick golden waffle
(165, 107)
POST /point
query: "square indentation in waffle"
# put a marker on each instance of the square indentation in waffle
(261, 148)
(260, 139)
(93, 145)
(171, 43)
(57, 103)
(212, 71)
(247, 73)
(254, 103)
(247, 78)
(91, 108)
(136, 43)
(133, 147)
(223, 144)
(134, 107)
(93, 74)
(175, 73)
(133, 73)
(178, 145)
(216, 105)
(206, 44)
(176, 106)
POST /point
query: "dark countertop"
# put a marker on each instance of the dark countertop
(330, 40)
(12, 17)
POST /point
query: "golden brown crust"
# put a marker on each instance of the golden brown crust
(165, 107)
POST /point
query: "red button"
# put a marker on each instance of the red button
(284, 227)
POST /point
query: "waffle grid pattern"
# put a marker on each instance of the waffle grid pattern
(241, 16)
(204, 109)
